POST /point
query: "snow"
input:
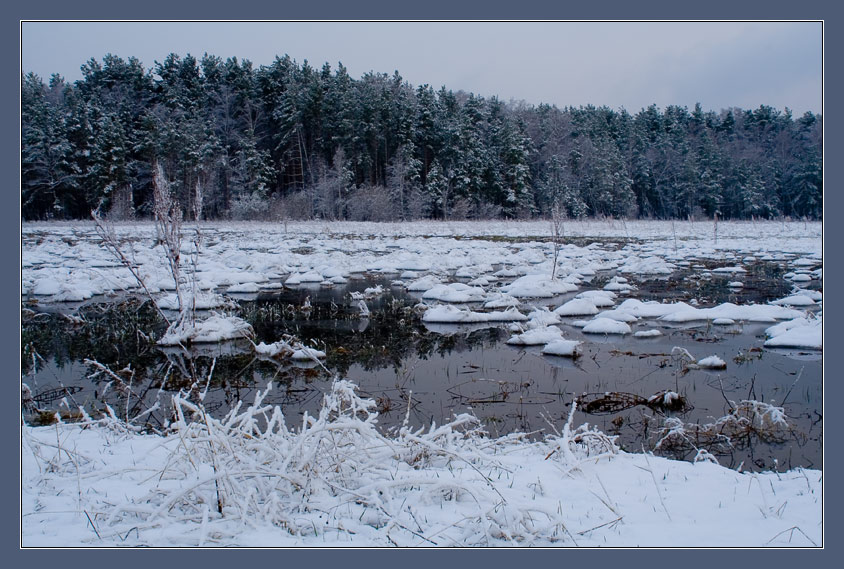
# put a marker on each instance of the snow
(749, 312)
(536, 336)
(244, 288)
(797, 333)
(600, 298)
(606, 326)
(336, 481)
(653, 333)
(712, 362)
(564, 348)
(455, 292)
(306, 353)
(448, 314)
(730, 270)
(577, 307)
(216, 328)
(201, 300)
(537, 286)
(794, 300)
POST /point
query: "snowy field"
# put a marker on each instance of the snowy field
(252, 479)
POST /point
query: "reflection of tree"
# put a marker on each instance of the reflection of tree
(120, 337)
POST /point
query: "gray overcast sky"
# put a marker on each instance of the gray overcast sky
(618, 64)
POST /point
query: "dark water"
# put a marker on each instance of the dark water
(431, 373)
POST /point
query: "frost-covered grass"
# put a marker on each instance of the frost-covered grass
(336, 480)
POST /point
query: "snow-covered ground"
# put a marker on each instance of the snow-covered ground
(336, 480)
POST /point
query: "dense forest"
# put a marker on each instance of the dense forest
(290, 141)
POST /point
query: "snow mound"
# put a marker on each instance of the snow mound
(542, 317)
(216, 328)
(423, 283)
(712, 362)
(447, 314)
(306, 353)
(501, 300)
(749, 313)
(564, 348)
(536, 336)
(794, 300)
(244, 287)
(537, 286)
(455, 292)
(797, 333)
(606, 326)
(201, 300)
(577, 307)
(730, 270)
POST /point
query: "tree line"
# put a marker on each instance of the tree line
(289, 140)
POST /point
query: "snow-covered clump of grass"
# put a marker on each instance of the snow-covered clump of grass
(712, 362)
(215, 328)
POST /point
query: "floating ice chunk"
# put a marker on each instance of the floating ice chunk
(565, 348)
(723, 321)
(606, 326)
(537, 336)
(578, 307)
(801, 278)
(735, 284)
(712, 362)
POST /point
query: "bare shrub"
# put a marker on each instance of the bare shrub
(370, 203)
